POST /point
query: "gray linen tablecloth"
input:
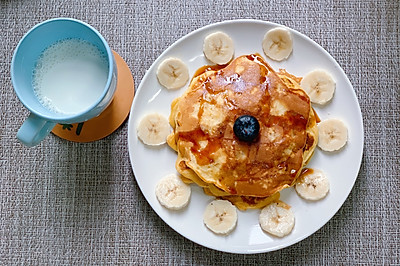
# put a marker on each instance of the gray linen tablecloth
(69, 203)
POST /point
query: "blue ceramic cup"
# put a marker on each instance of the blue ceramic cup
(41, 119)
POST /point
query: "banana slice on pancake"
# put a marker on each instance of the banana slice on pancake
(319, 86)
(153, 129)
(220, 216)
(314, 185)
(278, 44)
(172, 73)
(277, 219)
(172, 193)
(218, 47)
(332, 134)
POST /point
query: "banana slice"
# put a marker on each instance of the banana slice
(277, 219)
(278, 44)
(172, 73)
(172, 193)
(220, 216)
(153, 129)
(313, 185)
(332, 134)
(218, 48)
(319, 86)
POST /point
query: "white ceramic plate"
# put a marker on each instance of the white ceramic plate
(150, 164)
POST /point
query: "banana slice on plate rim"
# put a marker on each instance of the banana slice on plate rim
(220, 216)
(277, 43)
(277, 219)
(172, 192)
(319, 86)
(314, 185)
(153, 129)
(172, 73)
(218, 47)
(332, 134)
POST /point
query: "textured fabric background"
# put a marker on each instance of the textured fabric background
(69, 203)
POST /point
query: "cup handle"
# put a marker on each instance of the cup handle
(34, 130)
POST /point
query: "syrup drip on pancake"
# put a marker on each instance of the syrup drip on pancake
(204, 120)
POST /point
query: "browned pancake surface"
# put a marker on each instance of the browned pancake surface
(204, 136)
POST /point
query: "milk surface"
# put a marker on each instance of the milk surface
(70, 76)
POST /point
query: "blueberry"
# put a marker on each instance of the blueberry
(246, 128)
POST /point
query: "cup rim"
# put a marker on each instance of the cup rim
(61, 116)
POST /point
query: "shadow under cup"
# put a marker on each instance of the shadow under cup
(42, 120)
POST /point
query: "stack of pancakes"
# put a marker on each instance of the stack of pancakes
(249, 174)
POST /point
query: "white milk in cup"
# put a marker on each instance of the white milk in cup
(70, 76)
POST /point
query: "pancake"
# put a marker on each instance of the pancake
(209, 153)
